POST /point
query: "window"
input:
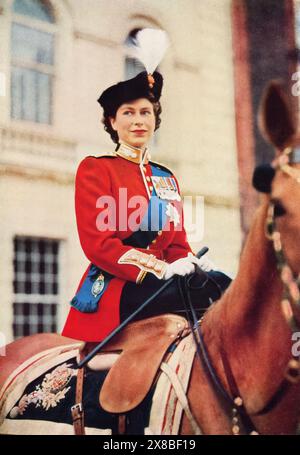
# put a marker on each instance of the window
(33, 8)
(32, 65)
(132, 65)
(36, 288)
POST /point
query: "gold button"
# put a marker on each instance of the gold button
(159, 233)
(154, 241)
(144, 168)
(150, 187)
(148, 179)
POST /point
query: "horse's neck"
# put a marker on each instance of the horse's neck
(248, 322)
(253, 301)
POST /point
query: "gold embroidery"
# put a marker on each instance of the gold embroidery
(48, 394)
(133, 154)
(141, 276)
(145, 262)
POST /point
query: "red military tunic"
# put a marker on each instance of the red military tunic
(106, 176)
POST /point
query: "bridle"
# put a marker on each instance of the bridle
(291, 282)
(233, 402)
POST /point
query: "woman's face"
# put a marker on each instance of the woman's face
(135, 122)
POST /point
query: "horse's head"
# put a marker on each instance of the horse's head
(281, 182)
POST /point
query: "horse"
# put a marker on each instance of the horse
(249, 329)
(247, 380)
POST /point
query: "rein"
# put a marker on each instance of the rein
(239, 416)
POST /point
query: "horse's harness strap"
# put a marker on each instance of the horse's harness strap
(181, 395)
(235, 404)
(77, 409)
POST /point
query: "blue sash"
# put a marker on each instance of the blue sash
(93, 287)
(154, 219)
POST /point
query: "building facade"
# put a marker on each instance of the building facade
(56, 57)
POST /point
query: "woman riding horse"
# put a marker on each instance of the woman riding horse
(248, 333)
(130, 222)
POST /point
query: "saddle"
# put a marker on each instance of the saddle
(143, 345)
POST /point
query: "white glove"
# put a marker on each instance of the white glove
(183, 266)
(204, 263)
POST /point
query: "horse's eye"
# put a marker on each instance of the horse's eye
(279, 210)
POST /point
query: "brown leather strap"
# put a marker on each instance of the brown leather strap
(77, 409)
(122, 424)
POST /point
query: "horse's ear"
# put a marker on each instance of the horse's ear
(276, 120)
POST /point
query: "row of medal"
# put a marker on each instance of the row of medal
(166, 188)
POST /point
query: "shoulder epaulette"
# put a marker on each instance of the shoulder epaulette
(161, 166)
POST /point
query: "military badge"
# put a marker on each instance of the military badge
(166, 188)
(98, 285)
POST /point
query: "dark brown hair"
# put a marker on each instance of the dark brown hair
(114, 135)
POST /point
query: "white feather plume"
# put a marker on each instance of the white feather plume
(149, 46)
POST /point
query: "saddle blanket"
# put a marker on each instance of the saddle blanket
(37, 398)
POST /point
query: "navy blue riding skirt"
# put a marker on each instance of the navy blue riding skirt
(204, 289)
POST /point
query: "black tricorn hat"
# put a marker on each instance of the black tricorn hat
(138, 87)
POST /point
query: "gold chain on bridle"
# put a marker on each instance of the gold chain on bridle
(291, 283)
